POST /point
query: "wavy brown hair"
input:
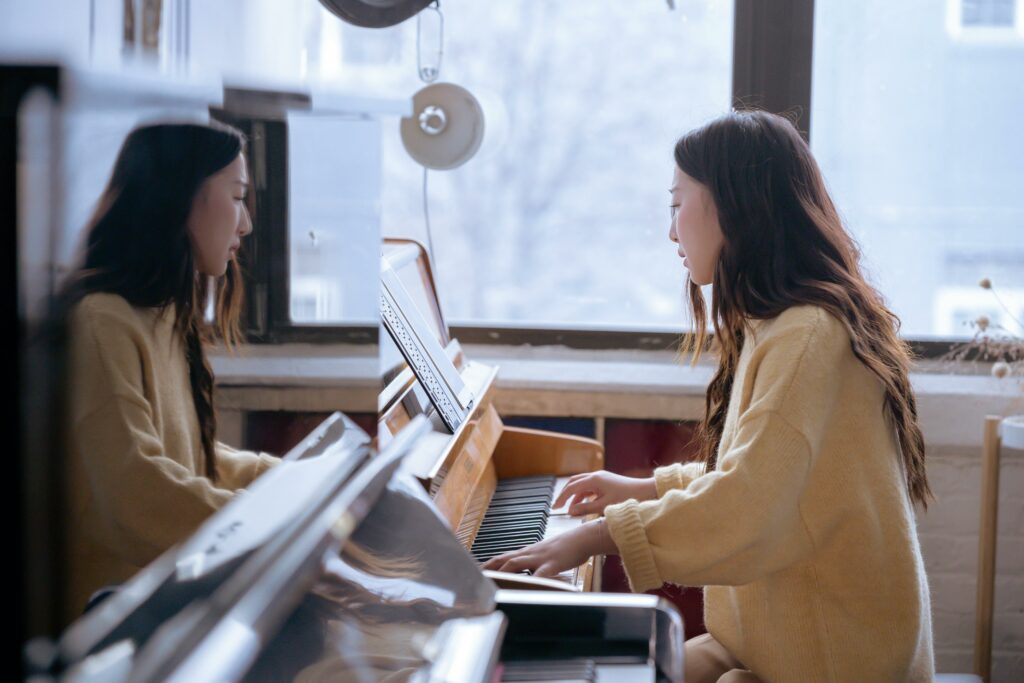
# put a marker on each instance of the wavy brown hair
(785, 245)
(137, 246)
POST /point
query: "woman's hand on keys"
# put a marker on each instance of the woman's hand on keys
(592, 492)
(552, 556)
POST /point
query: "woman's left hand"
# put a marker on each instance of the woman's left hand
(555, 555)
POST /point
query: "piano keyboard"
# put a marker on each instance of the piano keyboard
(550, 671)
(520, 514)
(577, 671)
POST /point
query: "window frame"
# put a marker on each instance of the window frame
(262, 116)
(772, 61)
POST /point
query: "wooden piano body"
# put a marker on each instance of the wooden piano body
(462, 470)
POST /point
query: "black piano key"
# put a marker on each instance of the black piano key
(507, 544)
(522, 481)
(510, 496)
(516, 516)
(511, 525)
(518, 500)
(521, 541)
(542, 503)
(515, 500)
(514, 526)
(510, 542)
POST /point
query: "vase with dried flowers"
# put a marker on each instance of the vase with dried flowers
(992, 342)
(1004, 348)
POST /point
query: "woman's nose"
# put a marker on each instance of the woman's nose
(672, 232)
(244, 222)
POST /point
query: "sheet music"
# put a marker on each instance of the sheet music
(448, 393)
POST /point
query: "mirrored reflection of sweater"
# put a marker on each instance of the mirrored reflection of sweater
(803, 537)
(135, 478)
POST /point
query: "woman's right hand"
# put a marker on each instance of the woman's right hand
(592, 491)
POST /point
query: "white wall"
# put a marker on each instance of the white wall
(949, 543)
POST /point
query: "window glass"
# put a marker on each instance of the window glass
(562, 216)
(987, 12)
(917, 131)
(334, 211)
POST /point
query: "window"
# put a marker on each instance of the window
(985, 21)
(333, 218)
(916, 136)
(561, 217)
(986, 12)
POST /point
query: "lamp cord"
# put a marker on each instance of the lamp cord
(426, 220)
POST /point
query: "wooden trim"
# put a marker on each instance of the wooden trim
(317, 334)
(596, 340)
(509, 335)
(987, 548)
(523, 452)
(475, 458)
(356, 399)
(640, 406)
(772, 57)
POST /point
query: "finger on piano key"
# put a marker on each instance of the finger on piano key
(560, 483)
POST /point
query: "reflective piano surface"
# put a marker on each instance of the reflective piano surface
(469, 473)
(381, 591)
(404, 601)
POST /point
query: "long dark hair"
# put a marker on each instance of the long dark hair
(137, 246)
(785, 245)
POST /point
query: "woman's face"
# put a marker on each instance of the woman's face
(219, 219)
(695, 227)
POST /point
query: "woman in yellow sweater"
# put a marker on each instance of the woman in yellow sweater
(798, 518)
(144, 465)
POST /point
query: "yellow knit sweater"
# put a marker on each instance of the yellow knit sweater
(135, 482)
(803, 537)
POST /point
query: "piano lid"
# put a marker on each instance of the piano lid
(217, 638)
(160, 591)
(391, 605)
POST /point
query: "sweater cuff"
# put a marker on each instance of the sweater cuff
(266, 461)
(627, 530)
(668, 478)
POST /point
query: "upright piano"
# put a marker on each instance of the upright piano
(493, 483)
(357, 578)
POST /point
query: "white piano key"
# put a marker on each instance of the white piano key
(560, 483)
(559, 524)
(626, 673)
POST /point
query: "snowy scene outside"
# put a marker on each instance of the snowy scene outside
(561, 219)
